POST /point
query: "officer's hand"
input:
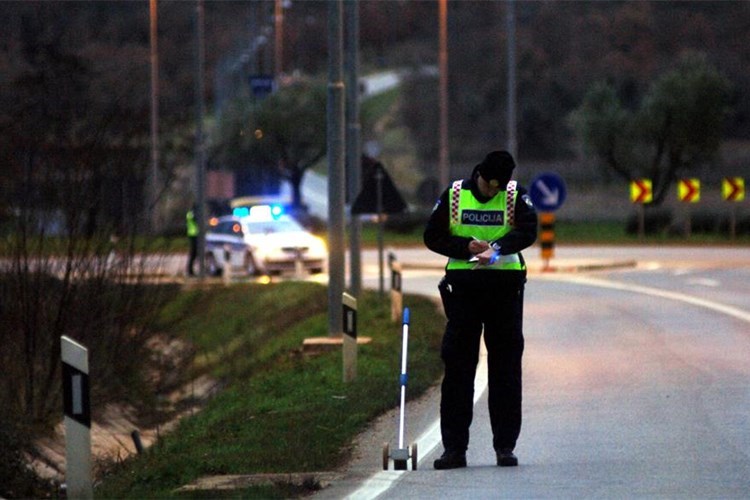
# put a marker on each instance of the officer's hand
(478, 246)
(486, 256)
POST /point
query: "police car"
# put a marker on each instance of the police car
(263, 239)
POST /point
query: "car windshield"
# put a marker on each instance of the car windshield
(272, 226)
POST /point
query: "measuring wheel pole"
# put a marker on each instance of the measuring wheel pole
(401, 455)
(404, 377)
(75, 373)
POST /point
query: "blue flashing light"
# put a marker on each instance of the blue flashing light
(276, 211)
(260, 213)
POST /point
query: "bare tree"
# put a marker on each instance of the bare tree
(74, 155)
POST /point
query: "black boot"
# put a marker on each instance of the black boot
(450, 460)
(506, 458)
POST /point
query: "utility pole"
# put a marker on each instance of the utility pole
(336, 153)
(153, 183)
(200, 148)
(510, 18)
(278, 46)
(353, 142)
(444, 165)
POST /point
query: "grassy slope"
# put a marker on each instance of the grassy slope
(279, 411)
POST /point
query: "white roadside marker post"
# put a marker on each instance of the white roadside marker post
(77, 406)
(349, 343)
(397, 300)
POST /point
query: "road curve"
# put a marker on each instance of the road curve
(630, 389)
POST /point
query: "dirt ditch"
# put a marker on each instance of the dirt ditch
(112, 430)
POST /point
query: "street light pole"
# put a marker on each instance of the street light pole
(510, 17)
(200, 149)
(336, 150)
(444, 165)
(353, 142)
(153, 191)
(278, 46)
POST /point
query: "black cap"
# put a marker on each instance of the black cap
(497, 168)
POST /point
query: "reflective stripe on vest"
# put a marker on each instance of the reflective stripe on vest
(484, 221)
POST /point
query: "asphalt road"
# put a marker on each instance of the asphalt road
(636, 383)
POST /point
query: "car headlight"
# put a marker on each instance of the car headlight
(318, 247)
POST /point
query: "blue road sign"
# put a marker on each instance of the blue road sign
(547, 191)
(261, 85)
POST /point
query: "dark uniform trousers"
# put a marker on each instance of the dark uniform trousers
(474, 300)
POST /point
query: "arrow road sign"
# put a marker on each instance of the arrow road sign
(548, 192)
(641, 191)
(733, 188)
(689, 190)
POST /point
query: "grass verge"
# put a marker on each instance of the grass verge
(279, 410)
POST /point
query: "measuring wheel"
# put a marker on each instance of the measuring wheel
(402, 454)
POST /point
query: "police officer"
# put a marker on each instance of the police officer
(481, 224)
(192, 234)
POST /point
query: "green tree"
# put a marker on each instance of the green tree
(678, 125)
(605, 129)
(286, 129)
(683, 116)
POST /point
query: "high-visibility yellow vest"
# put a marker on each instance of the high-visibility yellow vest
(192, 226)
(488, 221)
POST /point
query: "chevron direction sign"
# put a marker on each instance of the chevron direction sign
(641, 191)
(733, 188)
(689, 190)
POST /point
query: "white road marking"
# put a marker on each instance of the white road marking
(427, 441)
(704, 282)
(655, 292)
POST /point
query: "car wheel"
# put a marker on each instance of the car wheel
(211, 266)
(252, 266)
